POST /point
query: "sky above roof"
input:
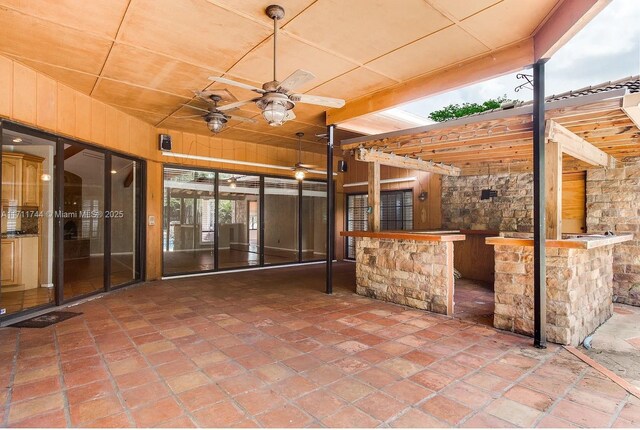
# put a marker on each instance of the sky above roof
(606, 49)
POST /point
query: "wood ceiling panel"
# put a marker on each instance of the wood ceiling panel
(461, 9)
(148, 69)
(288, 130)
(255, 8)
(117, 93)
(293, 54)
(43, 41)
(100, 17)
(355, 83)
(148, 117)
(509, 21)
(271, 139)
(192, 30)
(438, 50)
(82, 82)
(365, 29)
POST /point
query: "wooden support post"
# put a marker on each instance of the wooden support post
(553, 184)
(374, 196)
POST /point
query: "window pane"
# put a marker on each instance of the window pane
(83, 221)
(238, 220)
(280, 220)
(314, 220)
(125, 214)
(27, 249)
(188, 222)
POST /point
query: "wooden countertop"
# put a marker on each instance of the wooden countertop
(427, 236)
(585, 242)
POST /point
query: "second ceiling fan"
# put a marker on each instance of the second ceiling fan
(277, 99)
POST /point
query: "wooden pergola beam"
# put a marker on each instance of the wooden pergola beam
(373, 196)
(386, 159)
(576, 146)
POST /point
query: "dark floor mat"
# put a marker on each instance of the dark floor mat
(45, 320)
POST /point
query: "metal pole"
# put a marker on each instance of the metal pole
(539, 222)
(330, 215)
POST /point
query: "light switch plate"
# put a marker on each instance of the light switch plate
(152, 220)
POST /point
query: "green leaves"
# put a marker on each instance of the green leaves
(458, 111)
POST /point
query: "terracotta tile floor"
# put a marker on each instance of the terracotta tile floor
(267, 348)
(474, 301)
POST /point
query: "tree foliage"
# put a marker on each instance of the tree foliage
(459, 110)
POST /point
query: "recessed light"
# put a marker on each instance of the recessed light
(113, 172)
(17, 140)
(45, 177)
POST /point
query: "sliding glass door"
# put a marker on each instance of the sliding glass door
(222, 221)
(27, 200)
(189, 221)
(281, 208)
(123, 218)
(71, 220)
(238, 221)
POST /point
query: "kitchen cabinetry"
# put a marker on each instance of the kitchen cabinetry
(21, 179)
(11, 261)
(17, 263)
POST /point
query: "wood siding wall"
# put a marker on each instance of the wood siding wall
(426, 215)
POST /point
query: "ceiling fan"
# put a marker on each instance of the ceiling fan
(300, 169)
(216, 116)
(276, 99)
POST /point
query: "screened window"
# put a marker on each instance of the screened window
(396, 213)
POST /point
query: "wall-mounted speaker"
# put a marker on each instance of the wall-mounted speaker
(165, 142)
(342, 166)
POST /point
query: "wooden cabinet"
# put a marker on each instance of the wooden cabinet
(11, 180)
(21, 179)
(31, 182)
(11, 263)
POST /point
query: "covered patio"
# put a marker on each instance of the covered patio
(238, 350)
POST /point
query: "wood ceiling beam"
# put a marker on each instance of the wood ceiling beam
(565, 21)
(577, 147)
(385, 159)
(506, 60)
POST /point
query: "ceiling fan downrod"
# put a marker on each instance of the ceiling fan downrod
(276, 13)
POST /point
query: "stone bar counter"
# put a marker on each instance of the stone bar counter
(579, 285)
(409, 268)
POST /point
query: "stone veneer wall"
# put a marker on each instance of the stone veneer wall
(407, 272)
(613, 203)
(511, 210)
(579, 291)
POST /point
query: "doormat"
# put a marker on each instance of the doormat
(45, 320)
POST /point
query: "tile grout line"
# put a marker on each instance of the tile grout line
(561, 397)
(63, 387)
(14, 370)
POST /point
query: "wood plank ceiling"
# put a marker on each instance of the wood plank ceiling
(146, 57)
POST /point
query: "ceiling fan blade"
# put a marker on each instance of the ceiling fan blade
(307, 166)
(236, 104)
(196, 107)
(290, 115)
(294, 80)
(236, 84)
(187, 116)
(241, 118)
(318, 100)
